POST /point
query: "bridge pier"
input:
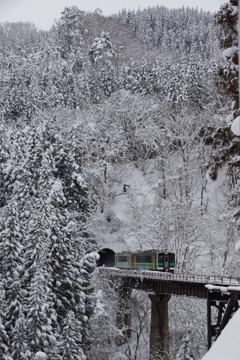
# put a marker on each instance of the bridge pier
(159, 336)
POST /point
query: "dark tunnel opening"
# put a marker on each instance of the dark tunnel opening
(107, 258)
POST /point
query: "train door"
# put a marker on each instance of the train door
(166, 262)
(160, 262)
(171, 262)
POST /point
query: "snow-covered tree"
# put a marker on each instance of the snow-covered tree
(70, 31)
(101, 51)
(184, 351)
(70, 341)
(4, 338)
(40, 314)
(227, 19)
(11, 263)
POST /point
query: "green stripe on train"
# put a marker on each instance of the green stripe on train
(170, 264)
(143, 266)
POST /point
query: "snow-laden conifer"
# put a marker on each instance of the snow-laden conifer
(11, 264)
(70, 341)
(4, 338)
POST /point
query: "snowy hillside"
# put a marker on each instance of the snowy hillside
(113, 134)
(132, 193)
(134, 215)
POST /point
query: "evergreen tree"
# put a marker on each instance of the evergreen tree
(4, 338)
(40, 314)
(19, 349)
(227, 19)
(71, 339)
(70, 31)
(39, 302)
(11, 263)
(101, 51)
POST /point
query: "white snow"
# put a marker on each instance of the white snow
(125, 208)
(237, 246)
(227, 346)
(229, 52)
(236, 126)
(40, 356)
(234, 288)
(80, 180)
(230, 118)
(223, 289)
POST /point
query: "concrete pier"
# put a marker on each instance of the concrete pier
(159, 336)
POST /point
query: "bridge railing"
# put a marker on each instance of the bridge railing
(166, 276)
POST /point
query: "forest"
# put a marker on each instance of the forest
(115, 131)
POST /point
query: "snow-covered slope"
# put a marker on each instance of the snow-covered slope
(132, 192)
(227, 346)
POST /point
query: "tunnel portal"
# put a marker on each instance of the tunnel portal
(107, 258)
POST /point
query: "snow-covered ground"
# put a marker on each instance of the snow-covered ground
(133, 190)
(227, 346)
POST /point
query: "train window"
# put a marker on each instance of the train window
(172, 258)
(160, 258)
(144, 259)
(122, 258)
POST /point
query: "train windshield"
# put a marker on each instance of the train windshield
(172, 258)
(160, 259)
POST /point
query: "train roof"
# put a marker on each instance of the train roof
(144, 252)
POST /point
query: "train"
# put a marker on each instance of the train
(146, 260)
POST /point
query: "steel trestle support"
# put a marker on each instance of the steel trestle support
(220, 308)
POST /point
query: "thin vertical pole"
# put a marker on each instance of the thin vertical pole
(209, 321)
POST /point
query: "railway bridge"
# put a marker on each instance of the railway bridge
(221, 293)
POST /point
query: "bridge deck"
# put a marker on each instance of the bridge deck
(168, 283)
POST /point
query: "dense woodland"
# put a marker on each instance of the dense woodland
(93, 104)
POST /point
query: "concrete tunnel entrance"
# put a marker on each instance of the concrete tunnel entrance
(107, 258)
